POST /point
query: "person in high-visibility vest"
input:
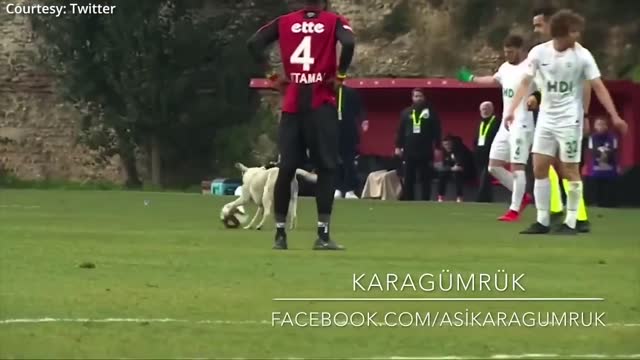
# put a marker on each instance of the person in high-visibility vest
(487, 131)
(419, 134)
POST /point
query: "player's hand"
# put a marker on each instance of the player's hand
(620, 124)
(398, 152)
(336, 82)
(465, 75)
(339, 82)
(508, 121)
(532, 103)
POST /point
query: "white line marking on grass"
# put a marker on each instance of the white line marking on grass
(364, 299)
(15, 206)
(133, 320)
(509, 356)
(266, 322)
(478, 357)
(171, 320)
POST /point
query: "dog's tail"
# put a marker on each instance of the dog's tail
(310, 177)
(241, 167)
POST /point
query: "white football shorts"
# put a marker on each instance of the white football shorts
(512, 146)
(564, 142)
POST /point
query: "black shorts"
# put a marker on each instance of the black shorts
(316, 131)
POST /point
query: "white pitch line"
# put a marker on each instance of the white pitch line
(513, 356)
(265, 322)
(171, 320)
(506, 299)
(133, 320)
(465, 357)
(20, 206)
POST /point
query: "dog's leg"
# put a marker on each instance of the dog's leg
(267, 196)
(293, 205)
(254, 219)
(292, 217)
(243, 199)
(267, 204)
(234, 204)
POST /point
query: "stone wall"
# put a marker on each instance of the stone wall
(425, 50)
(38, 130)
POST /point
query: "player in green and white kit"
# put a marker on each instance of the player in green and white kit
(563, 68)
(512, 144)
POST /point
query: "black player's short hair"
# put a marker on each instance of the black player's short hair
(300, 4)
(546, 11)
(514, 41)
(418, 90)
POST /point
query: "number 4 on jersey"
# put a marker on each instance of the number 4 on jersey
(302, 54)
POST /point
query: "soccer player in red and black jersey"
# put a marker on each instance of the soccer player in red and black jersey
(307, 39)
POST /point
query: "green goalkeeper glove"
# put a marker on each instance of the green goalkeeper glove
(465, 75)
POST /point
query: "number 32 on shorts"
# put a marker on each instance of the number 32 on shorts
(571, 148)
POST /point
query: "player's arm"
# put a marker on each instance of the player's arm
(523, 90)
(465, 75)
(260, 41)
(344, 35)
(488, 80)
(586, 103)
(592, 74)
(605, 99)
(586, 97)
(525, 85)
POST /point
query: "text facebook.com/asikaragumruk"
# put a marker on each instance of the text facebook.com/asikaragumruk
(453, 319)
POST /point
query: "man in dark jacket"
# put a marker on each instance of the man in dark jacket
(488, 128)
(453, 167)
(351, 114)
(418, 134)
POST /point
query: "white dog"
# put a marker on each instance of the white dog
(258, 184)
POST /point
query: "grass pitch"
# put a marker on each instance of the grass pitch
(169, 281)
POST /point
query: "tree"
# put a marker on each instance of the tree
(84, 55)
(164, 78)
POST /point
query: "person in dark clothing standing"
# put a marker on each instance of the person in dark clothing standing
(350, 114)
(418, 134)
(452, 167)
(489, 126)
